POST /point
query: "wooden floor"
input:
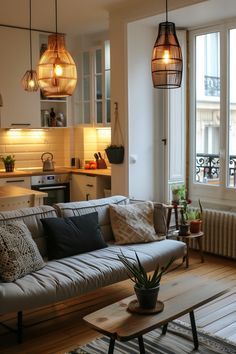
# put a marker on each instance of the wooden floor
(60, 328)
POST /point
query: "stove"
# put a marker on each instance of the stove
(56, 185)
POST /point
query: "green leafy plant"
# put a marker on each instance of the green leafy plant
(195, 214)
(138, 274)
(187, 214)
(179, 191)
(9, 159)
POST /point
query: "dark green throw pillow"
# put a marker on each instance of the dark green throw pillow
(74, 235)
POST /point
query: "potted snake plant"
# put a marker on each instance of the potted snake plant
(146, 286)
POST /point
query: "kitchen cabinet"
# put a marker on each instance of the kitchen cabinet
(20, 109)
(16, 181)
(93, 106)
(87, 187)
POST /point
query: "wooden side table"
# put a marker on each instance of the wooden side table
(198, 236)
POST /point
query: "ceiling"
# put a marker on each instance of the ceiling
(204, 13)
(75, 17)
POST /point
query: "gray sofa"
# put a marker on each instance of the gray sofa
(72, 276)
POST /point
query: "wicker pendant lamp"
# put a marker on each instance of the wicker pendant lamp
(57, 72)
(167, 63)
(30, 80)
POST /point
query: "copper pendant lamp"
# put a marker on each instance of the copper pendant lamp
(30, 80)
(57, 72)
(167, 63)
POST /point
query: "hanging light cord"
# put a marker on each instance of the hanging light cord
(30, 38)
(166, 12)
(56, 23)
(56, 14)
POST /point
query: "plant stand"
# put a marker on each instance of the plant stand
(186, 238)
(198, 236)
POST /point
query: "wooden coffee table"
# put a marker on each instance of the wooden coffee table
(180, 296)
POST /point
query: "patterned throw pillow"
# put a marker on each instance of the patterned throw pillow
(19, 254)
(133, 223)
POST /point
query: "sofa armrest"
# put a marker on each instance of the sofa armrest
(160, 218)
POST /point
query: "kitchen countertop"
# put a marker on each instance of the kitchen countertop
(96, 172)
(28, 172)
(15, 197)
(16, 191)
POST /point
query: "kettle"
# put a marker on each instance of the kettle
(48, 163)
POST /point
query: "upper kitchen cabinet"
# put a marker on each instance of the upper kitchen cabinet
(93, 104)
(20, 109)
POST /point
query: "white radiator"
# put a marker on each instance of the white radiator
(220, 233)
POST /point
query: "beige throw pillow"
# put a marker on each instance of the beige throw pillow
(133, 223)
(19, 254)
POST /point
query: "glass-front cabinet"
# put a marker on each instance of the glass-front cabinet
(93, 106)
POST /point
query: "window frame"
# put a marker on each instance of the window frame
(221, 194)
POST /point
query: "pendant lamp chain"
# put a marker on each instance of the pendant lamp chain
(30, 80)
(30, 38)
(166, 12)
(56, 23)
(167, 57)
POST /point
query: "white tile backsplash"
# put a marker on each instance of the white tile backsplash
(29, 145)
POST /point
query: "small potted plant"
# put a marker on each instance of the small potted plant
(178, 193)
(146, 286)
(9, 162)
(195, 219)
(115, 153)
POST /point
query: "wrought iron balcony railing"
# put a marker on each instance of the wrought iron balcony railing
(212, 85)
(208, 167)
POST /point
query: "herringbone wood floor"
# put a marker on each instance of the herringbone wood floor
(59, 328)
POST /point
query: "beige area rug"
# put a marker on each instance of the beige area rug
(217, 318)
(178, 340)
(216, 326)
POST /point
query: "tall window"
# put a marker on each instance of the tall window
(207, 108)
(213, 113)
(232, 111)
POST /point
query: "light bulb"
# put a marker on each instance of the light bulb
(31, 83)
(58, 70)
(166, 56)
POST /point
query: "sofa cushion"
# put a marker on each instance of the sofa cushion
(19, 254)
(31, 217)
(133, 223)
(79, 274)
(74, 235)
(99, 205)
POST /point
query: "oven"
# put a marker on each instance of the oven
(57, 186)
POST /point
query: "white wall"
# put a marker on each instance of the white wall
(119, 19)
(142, 129)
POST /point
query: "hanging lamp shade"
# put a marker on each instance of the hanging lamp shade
(57, 74)
(30, 80)
(167, 63)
